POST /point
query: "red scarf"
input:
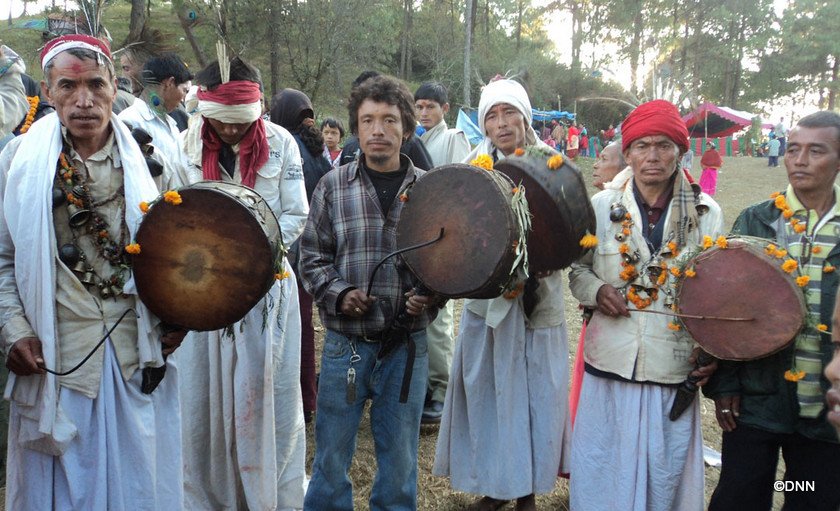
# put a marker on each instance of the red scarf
(253, 148)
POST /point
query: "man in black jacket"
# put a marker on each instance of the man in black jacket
(778, 402)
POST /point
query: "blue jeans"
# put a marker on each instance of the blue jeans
(395, 426)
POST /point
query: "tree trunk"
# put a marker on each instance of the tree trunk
(405, 40)
(520, 9)
(577, 35)
(274, 53)
(197, 51)
(136, 20)
(832, 85)
(469, 16)
(635, 48)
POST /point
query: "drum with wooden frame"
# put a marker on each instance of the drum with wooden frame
(206, 262)
(561, 213)
(743, 281)
(474, 259)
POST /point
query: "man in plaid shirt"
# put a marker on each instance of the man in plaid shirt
(352, 225)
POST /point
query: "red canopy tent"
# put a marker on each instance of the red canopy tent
(712, 121)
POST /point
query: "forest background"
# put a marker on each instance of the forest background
(750, 55)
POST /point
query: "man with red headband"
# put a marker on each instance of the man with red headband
(626, 453)
(97, 436)
(244, 437)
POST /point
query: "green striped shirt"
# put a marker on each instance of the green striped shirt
(810, 249)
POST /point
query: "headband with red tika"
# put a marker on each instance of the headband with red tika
(72, 41)
(657, 117)
(234, 102)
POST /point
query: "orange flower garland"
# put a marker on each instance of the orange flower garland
(483, 161)
(172, 197)
(794, 375)
(30, 116)
(133, 248)
(144, 207)
(721, 242)
(803, 280)
(281, 276)
(519, 151)
(790, 265)
(589, 241)
(555, 162)
(707, 242)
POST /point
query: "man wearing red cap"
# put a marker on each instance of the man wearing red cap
(97, 436)
(626, 453)
(244, 437)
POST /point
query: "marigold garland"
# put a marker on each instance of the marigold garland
(519, 151)
(675, 271)
(822, 327)
(780, 253)
(721, 242)
(283, 275)
(674, 326)
(672, 247)
(707, 242)
(555, 162)
(516, 291)
(789, 265)
(828, 268)
(816, 250)
(803, 280)
(30, 116)
(589, 241)
(172, 197)
(794, 375)
(144, 207)
(133, 248)
(787, 213)
(690, 273)
(484, 161)
(770, 249)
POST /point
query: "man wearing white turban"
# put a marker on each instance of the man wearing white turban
(505, 426)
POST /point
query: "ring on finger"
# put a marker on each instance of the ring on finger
(358, 310)
(726, 410)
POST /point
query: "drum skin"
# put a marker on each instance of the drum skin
(474, 258)
(741, 281)
(561, 213)
(209, 260)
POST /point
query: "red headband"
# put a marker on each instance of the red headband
(236, 92)
(657, 117)
(68, 42)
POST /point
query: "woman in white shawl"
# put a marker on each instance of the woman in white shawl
(505, 428)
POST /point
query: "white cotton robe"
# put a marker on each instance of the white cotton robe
(244, 437)
(505, 427)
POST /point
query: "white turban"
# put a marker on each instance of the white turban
(503, 91)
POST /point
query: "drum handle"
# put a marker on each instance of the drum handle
(690, 316)
(400, 251)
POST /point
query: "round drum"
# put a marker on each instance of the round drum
(561, 213)
(741, 281)
(475, 256)
(209, 260)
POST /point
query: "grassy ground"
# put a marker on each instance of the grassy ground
(742, 182)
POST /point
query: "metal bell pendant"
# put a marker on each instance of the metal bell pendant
(78, 216)
(87, 278)
(70, 255)
(617, 212)
(105, 290)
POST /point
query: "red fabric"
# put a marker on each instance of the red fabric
(236, 92)
(711, 158)
(657, 117)
(577, 377)
(104, 46)
(253, 148)
(253, 152)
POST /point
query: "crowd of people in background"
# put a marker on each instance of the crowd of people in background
(163, 418)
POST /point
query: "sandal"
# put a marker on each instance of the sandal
(526, 503)
(487, 504)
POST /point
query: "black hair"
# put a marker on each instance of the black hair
(383, 89)
(333, 123)
(211, 77)
(168, 65)
(822, 119)
(433, 91)
(364, 76)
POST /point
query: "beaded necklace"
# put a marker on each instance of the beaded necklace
(85, 219)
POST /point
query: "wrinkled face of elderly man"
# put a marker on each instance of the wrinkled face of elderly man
(82, 91)
(653, 159)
